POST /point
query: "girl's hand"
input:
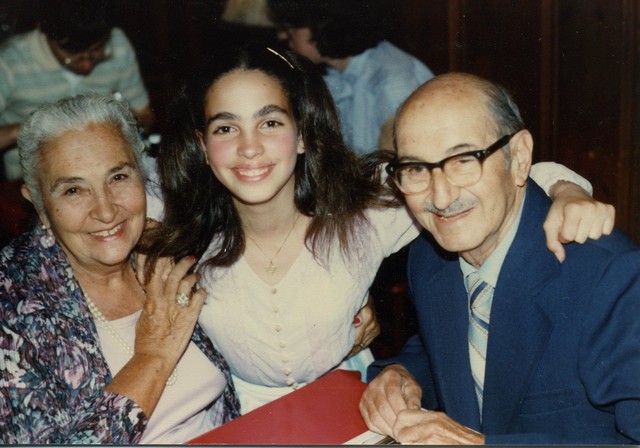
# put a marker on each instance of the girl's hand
(367, 327)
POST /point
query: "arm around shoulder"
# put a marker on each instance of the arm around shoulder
(547, 174)
(574, 214)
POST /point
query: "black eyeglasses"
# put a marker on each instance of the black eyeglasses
(94, 56)
(462, 170)
(97, 53)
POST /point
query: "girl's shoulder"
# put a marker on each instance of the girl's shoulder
(394, 226)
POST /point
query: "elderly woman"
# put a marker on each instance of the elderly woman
(89, 352)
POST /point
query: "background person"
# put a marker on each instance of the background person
(367, 75)
(75, 49)
(513, 347)
(289, 226)
(90, 355)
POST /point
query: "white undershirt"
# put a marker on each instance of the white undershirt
(181, 413)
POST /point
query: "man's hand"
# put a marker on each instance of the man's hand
(575, 216)
(391, 392)
(433, 428)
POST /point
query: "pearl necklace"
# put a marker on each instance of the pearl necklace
(98, 316)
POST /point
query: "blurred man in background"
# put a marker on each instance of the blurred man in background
(74, 49)
(368, 76)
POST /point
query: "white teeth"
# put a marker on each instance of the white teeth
(108, 232)
(254, 172)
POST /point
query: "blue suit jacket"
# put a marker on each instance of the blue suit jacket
(563, 356)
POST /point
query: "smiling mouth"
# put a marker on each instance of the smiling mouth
(253, 173)
(452, 216)
(106, 233)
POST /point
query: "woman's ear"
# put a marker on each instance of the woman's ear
(26, 193)
(300, 145)
(521, 155)
(203, 146)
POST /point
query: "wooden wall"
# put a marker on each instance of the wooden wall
(571, 64)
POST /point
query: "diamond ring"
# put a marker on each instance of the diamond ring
(182, 299)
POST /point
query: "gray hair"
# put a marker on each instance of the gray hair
(504, 112)
(51, 120)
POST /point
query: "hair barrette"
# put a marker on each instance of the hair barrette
(281, 57)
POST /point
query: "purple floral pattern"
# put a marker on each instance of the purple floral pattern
(52, 371)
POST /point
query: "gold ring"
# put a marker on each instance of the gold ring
(362, 346)
(182, 300)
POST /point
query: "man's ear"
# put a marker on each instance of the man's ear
(203, 147)
(521, 154)
(26, 193)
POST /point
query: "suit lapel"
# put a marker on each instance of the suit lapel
(518, 335)
(448, 322)
(519, 328)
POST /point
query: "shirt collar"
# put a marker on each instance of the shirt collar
(42, 51)
(341, 83)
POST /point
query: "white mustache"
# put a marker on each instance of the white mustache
(460, 204)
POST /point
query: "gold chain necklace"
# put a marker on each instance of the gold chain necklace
(98, 316)
(271, 267)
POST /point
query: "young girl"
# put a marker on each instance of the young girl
(289, 226)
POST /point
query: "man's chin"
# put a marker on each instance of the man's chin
(455, 243)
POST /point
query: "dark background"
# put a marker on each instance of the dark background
(572, 66)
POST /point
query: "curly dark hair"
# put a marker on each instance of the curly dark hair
(77, 24)
(332, 185)
(339, 29)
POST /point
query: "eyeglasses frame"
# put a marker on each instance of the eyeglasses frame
(480, 154)
(70, 59)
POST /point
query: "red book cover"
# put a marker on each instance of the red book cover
(324, 412)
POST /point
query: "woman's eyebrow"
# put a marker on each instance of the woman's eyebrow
(269, 109)
(263, 112)
(63, 181)
(75, 179)
(222, 116)
(122, 166)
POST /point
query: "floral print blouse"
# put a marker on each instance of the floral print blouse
(52, 370)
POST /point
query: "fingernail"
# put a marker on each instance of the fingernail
(356, 320)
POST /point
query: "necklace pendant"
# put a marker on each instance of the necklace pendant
(271, 268)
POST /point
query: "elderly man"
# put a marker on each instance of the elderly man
(513, 347)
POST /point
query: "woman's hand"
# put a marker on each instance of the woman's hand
(165, 326)
(367, 327)
(162, 333)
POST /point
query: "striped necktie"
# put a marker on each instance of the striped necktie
(480, 298)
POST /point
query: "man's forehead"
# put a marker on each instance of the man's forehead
(442, 129)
